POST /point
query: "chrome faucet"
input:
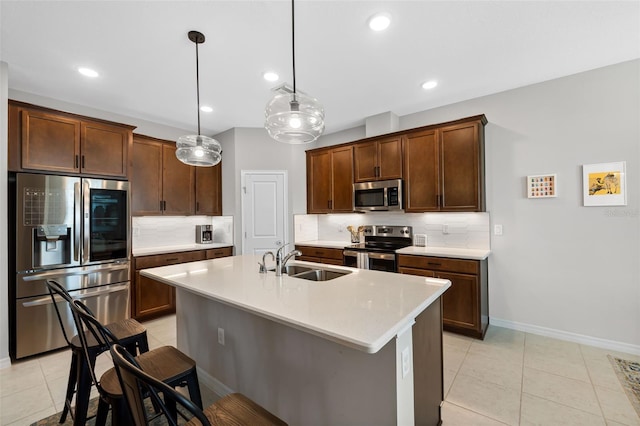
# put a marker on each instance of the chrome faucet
(281, 262)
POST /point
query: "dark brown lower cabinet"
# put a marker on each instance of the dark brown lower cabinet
(151, 298)
(331, 256)
(465, 305)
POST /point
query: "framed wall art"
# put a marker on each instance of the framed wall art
(604, 184)
(542, 186)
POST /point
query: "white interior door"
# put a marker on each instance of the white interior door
(264, 210)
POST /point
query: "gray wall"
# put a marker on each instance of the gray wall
(560, 268)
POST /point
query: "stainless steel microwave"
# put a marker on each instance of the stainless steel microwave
(384, 195)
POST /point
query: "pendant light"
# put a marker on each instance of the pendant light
(294, 117)
(198, 150)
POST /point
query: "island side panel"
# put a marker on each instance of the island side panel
(302, 378)
(428, 365)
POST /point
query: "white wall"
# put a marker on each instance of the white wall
(4, 234)
(253, 149)
(560, 268)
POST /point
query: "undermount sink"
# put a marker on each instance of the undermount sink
(296, 269)
(314, 274)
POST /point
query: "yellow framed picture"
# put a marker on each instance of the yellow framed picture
(604, 184)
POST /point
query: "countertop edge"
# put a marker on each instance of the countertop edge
(177, 249)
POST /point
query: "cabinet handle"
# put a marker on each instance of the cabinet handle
(76, 162)
(197, 206)
(318, 253)
(330, 204)
(434, 263)
(160, 205)
(83, 161)
(171, 259)
(164, 205)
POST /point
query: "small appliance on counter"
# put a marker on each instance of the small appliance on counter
(204, 234)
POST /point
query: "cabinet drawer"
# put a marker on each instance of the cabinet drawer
(168, 259)
(328, 253)
(219, 252)
(439, 264)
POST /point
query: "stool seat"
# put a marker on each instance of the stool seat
(237, 409)
(165, 363)
(125, 330)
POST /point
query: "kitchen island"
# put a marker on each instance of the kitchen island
(362, 348)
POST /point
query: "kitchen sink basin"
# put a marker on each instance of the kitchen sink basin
(320, 274)
(296, 269)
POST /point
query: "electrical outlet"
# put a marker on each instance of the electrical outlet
(497, 229)
(136, 231)
(221, 336)
(445, 228)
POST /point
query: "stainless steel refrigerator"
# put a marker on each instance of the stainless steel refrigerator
(72, 230)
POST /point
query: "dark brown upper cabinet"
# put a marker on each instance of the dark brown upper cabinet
(330, 180)
(378, 159)
(42, 139)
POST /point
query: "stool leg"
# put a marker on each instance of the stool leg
(143, 343)
(83, 393)
(101, 415)
(194, 388)
(71, 386)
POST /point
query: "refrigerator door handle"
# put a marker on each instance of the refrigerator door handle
(47, 299)
(57, 274)
(77, 208)
(86, 193)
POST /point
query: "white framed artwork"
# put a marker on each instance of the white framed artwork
(542, 186)
(604, 184)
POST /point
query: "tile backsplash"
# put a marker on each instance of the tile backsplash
(455, 230)
(159, 231)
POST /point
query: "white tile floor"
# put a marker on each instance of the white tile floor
(511, 378)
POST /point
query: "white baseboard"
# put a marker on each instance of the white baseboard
(219, 388)
(5, 362)
(568, 336)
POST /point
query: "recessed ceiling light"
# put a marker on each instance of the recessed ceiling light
(270, 76)
(429, 84)
(379, 21)
(205, 108)
(88, 72)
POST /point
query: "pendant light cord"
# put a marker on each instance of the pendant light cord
(198, 85)
(293, 45)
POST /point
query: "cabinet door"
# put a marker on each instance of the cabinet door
(50, 142)
(460, 301)
(146, 177)
(178, 184)
(460, 168)
(104, 149)
(390, 158)
(365, 161)
(319, 181)
(342, 177)
(209, 190)
(421, 171)
(153, 298)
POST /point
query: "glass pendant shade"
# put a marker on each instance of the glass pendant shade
(294, 118)
(198, 150)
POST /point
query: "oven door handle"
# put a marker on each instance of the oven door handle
(382, 256)
(47, 299)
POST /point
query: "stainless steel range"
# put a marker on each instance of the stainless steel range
(378, 251)
(75, 231)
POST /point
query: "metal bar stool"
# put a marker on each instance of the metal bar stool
(128, 331)
(167, 364)
(234, 409)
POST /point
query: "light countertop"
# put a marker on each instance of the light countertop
(363, 309)
(174, 249)
(458, 253)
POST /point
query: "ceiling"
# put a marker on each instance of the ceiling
(147, 64)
